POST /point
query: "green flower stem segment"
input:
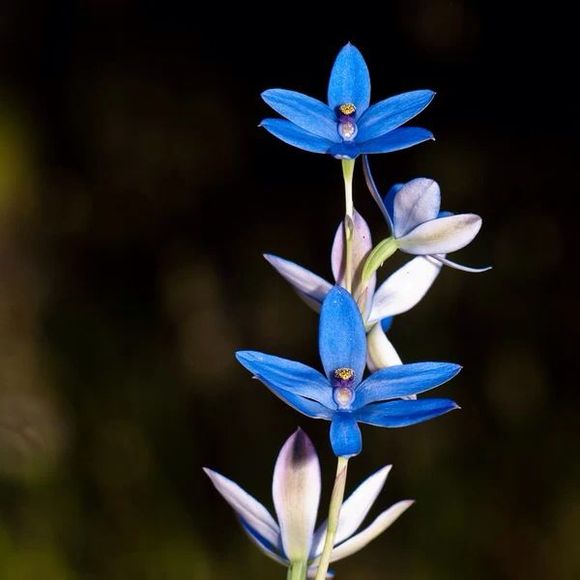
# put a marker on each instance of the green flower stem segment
(347, 172)
(333, 515)
(297, 571)
(381, 252)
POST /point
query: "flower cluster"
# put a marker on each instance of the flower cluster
(364, 381)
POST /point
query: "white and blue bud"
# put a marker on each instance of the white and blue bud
(296, 493)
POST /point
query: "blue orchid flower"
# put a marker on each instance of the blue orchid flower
(347, 126)
(413, 213)
(341, 396)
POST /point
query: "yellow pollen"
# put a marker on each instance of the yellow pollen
(347, 108)
(344, 374)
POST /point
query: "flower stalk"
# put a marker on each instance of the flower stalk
(347, 172)
(342, 462)
(333, 515)
(379, 254)
(297, 571)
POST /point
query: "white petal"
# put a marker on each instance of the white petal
(441, 235)
(337, 257)
(416, 202)
(359, 541)
(247, 508)
(404, 288)
(443, 260)
(380, 352)
(296, 493)
(362, 244)
(354, 510)
(361, 247)
(310, 287)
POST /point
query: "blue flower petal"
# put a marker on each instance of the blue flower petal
(293, 381)
(308, 113)
(395, 140)
(293, 135)
(403, 413)
(386, 323)
(350, 81)
(345, 435)
(345, 150)
(274, 552)
(308, 407)
(391, 113)
(403, 380)
(389, 199)
(342, 337)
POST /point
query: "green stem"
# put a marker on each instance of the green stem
(381, 252)
(347, 172)
(333, 514)
(297, 571)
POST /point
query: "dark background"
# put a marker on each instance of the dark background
(136, 196)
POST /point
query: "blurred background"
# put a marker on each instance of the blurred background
(136, 197)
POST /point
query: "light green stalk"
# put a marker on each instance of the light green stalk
(297, 571)
(342, 462)
(379, 254)
(333, 515)
(347, 172)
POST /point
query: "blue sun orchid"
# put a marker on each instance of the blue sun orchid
(413, 213)
(347, 126)
(341, 395)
